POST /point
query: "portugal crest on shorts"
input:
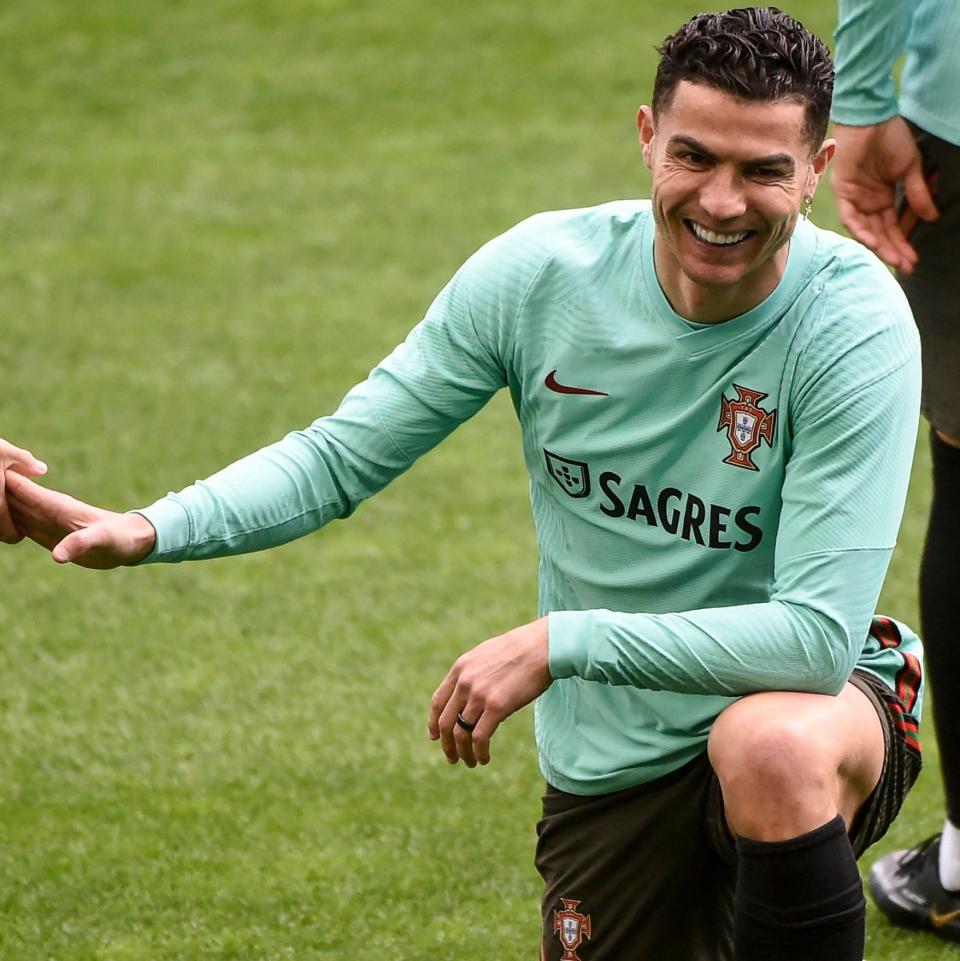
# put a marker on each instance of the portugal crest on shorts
(747, 423)
(573, 927)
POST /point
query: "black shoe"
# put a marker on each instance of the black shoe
(906, 887)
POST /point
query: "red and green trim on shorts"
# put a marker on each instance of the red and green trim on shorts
(908, 219)
(908, 679)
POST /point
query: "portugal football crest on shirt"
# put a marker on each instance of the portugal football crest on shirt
(746, 423)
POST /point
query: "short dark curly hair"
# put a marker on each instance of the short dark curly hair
(755, 53)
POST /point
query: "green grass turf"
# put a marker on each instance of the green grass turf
(215, 217)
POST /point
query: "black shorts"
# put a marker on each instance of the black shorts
(649, 872)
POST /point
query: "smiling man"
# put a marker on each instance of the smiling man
(718, 405)
(727, 185)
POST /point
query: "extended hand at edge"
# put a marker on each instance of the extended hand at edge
(867, 166)
(77, 532)
(487, 685)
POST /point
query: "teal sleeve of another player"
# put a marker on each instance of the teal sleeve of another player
(842, 503)
(442, 374)
(869, 38)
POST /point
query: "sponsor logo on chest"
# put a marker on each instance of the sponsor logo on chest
(680, 513)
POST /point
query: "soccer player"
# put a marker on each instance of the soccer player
(897, 180)
(718, 402)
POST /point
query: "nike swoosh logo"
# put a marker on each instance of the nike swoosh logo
(938, 920)
(551, 381)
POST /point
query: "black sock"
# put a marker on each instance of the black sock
(939, 572)
(799, 899)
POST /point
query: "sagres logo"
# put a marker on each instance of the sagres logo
(747, 423)
(572, 475)
(573, 927)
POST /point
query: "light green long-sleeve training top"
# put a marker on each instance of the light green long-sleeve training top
(870, 37)
(715, 506)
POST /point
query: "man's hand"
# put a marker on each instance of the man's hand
(77, 532)
(22, 462)
(867, 166)
(485, 686)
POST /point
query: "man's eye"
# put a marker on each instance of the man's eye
(767, 173)
(697, 159)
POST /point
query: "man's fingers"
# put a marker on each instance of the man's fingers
(471, 743)
(20, 460)
(94, 546)
(75, 546)
(903, 256)
(8, 529)
(113, 541)
(438, 702)
(463, 737)
(446, 725)
(76, 531)
(486, 685)
(482, 734)
(918, 193)
(443, 714)
(452, 702)
(43, 515)
(19, 501)
(9, 534)
(881, 233)
(857, 223)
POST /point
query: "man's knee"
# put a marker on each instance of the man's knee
(777, 770)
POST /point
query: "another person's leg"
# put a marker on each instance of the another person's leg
(808, 781)
(921, 887)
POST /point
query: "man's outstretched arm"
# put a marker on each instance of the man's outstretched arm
(443, 373)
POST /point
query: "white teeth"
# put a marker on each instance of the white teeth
(712, 237)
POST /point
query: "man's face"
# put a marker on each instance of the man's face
(729, 177)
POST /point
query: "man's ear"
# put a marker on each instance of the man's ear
(647, 131)
(819, 163)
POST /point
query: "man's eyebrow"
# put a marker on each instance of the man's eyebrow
(683, 140)
(773, 160)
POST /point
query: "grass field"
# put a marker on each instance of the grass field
(216, 217)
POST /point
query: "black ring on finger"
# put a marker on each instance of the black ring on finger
(465, 724)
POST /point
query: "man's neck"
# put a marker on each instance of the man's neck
(703, 304)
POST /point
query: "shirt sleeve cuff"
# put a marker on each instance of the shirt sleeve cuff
(172, 524)
(853, 114)
(568, 635)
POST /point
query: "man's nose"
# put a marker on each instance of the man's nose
(722, 196)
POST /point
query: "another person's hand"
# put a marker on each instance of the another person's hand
(23, 462)
(867, 166)
(77, 532)
(485, 686)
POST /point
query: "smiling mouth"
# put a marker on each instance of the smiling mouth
(714, 238)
